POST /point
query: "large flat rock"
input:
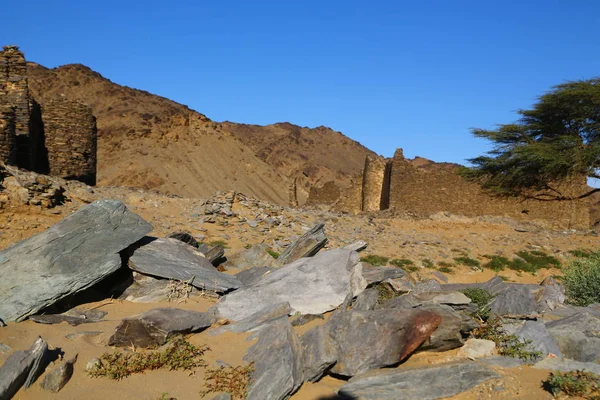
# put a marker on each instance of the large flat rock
(417, 384)
(69, 257)
(578, 337)
(172, 259)
(307, 245)
(311, 285)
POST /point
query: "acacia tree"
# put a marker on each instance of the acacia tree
(558, 139)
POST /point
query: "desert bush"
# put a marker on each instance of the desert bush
(527, 261)
(482, 299)
(427, 263)
(273, 253)
(232, 380)
(575, 383)
(178, 354)
(582, 281)
(401, 262)
(375, 260)
(507, 345)
(468, 261)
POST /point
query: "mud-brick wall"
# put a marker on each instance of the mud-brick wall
(8, 140)
(13, 86)
(329, 193)
(71, 139)
(435, 187)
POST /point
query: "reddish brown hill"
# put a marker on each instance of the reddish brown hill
(315, 155)
(151, 142)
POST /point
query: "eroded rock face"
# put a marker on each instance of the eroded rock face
(154, 327)
(311, 285)
(71, 256)
(367, 340)
(423, 383)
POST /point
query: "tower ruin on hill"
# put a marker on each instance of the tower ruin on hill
(422, 188)
(58, 137)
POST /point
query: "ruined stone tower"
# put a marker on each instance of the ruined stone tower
(375, 186)
(58, 137)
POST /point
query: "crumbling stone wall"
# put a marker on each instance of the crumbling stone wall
(373, 178)
(326, 194)
(71, 138)
(293, 193)
(429, 188)
(8, 139)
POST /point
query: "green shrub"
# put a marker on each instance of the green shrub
(539, 259)
(482, 298)
(232, 380)
(219, 242)
(273, 253)
(401, 262)
(583, 253)
(507, 345)
(527, 261)
(496, 263)
(446, 269)
(575, 383)
(582, 281)
(427, 263)
(468, 261)
(179, 354)
(375, 260)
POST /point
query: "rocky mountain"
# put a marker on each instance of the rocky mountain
(151, 142)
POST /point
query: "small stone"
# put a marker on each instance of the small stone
(477, 348)
(93, 364)
(56, 379)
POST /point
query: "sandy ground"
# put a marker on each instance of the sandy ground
(437, 240)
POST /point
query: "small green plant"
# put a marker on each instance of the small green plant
(375, 260)
(468, 261)
(538, 259)
(507, 345)
(273, 253)
(232, 380)
(178, 354)
(496, 263)
(247, 246)
(583, 253)
(401, 262)
(412, 268)
(165, 396)
(218, 242)
(575, 383)
(482, 298)
(386, 292)
(582, 281)
(427, 263)
(446, 267)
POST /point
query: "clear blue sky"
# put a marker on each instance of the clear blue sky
(410, 74)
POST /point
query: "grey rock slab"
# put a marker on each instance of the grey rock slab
(552, 295)
(450, 333)
(71, 256)
(173, 259)
(428, 286)
(22, 368)
(155, 326)
(256, 320)
(418, 384)
(359, 245)
(318, 353)
(305, 319)
(366, 340)
(514, 300)
(185, 237)
(566, 365)
(502, 361)
(252, 275)
(367, 300)
(578, 336)
(311, 285)
(379, 274)
(307, 245)
(541, 340)
(74, 317)
(56, 379)
(277, 358)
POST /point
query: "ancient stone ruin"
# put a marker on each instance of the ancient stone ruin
(57, 137)
(422, 187)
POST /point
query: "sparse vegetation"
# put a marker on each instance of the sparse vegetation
(178, 354)
(575, 383)
(482, 298)
(375, 260)
(582, 281)
(427, 263)
(538, 259)
(219, 242)
(273, 253)
(179, 290)
(386, 292)
(232, 380)
(468, 261)
(165, 396)
(496, 263)
(527, 261)
(402, 262)
(583, 253)
(507, 345)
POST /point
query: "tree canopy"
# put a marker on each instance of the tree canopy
(558, 139)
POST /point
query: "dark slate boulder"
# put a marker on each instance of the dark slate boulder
(185, 237)
(252, 275)
(379, 274)
(257, 320)
(277, 358)
(154, 327)
(71, 256)
(22, 368)
(256, 256)
(514, 300)
(417, 384)
(541, 340)
(367, 300)
(366, 340)
(307, 245)
(319, 353)
(451, 332)
(578, 336)
(172, 259)
(56, 379)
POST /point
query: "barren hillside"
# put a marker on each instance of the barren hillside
(315, 155)
(150, 142)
